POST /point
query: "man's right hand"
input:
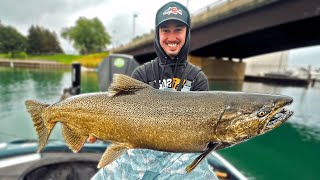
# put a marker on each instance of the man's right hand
(91, 139)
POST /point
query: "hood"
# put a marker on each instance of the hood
(180, 58)
(161, 17)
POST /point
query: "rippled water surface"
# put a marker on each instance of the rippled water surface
(291, 151)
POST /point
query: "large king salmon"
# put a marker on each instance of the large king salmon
(135, 115)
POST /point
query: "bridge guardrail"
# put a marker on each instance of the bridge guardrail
(213, 5)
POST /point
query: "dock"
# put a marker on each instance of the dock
(34, 64)
(287, 81)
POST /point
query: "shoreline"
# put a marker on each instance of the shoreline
(41, 64)
(33, 64)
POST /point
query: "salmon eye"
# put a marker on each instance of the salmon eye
(261, 113)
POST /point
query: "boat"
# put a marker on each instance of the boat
(299, 77)
(19, 160)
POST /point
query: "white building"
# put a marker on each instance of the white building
(273, 62)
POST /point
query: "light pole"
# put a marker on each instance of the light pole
(114, 40)
(134, 24)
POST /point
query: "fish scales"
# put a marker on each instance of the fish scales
(127, 115)
(134, 115)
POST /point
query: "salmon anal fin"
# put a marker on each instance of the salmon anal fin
(211, 146)
(73, 140)
(112, 153)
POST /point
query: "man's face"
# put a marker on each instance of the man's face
(172, 36)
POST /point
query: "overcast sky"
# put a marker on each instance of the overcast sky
(116, 15)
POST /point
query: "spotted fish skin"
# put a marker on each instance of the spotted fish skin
(134, 115)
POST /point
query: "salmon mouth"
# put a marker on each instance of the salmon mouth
(279, 118)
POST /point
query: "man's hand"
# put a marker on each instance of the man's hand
(91, 139)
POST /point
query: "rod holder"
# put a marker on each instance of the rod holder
(76, 78)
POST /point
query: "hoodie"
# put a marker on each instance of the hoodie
(170, 71)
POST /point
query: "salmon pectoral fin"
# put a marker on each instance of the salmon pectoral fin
(35, 109)
(210, 147)
(73, 140)
(112, 153)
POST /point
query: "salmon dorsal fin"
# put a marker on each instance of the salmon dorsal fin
(125, 84)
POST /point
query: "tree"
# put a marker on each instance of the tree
(11, 41)
(42, 41)
(34, 40)
(88, 35)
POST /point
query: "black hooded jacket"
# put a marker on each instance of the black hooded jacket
(169, 72)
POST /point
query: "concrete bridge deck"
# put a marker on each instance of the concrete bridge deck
(244, 28)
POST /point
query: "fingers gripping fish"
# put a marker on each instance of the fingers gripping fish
(134, 115)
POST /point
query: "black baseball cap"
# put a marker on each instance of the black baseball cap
(173, 11)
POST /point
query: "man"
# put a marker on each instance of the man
(169, 71)
(171, 68)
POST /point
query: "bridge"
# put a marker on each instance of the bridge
(238, 29)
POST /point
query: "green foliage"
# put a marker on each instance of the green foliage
(6, 56)
(11, 41)
(16, 55)
(61, 58)
(90, 60)
(20, 55)
(42, 41)
(88, 35)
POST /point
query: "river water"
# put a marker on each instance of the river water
(291, 151)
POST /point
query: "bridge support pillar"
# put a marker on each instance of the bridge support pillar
(218, 69)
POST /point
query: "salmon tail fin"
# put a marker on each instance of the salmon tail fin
(35, 109)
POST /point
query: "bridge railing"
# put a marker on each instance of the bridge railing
(211, 6)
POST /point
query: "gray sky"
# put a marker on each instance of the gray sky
(116, 15)
(305, 56)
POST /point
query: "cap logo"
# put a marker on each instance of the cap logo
(172, 10)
